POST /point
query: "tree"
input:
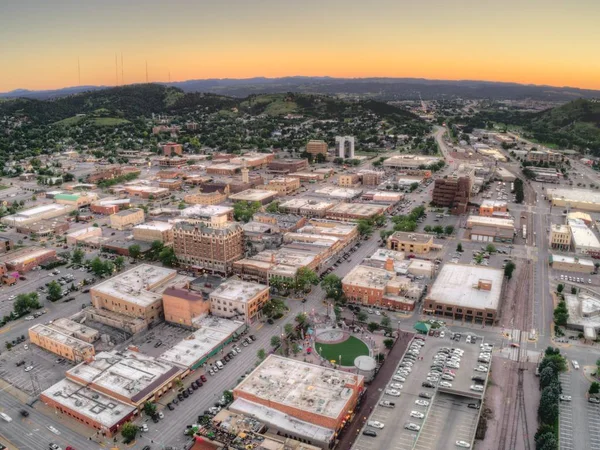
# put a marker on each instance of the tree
(129, 431)
(459, 248)
(362, 316)
(119, 262)
(155, 248)
(594, 388)
(54, 291)
(306, 277)
(77, 256)
(243, 211)
(548, 408)
(288, 329)
(561, 314)
(478, 258)
(427, 229)
(295, 348)
(275, 341)
(25, 303)
(438, 229)
(546, 441)
(272, 207)
(97, 266)
(490, 248)
(134, 251)
(365, 228)
(509, 269)
(167, 257)
(389, 343)
(449, 229)
(301, 318)
(150, 409)
(332, 285)
(385, 322)
(373, 326)
(560, 288)
(261, 354)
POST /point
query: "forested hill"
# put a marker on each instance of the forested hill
(131, 102)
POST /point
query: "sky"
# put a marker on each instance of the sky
(553, 42)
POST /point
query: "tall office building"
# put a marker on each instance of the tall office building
(344, 147)
(453, 193)
(315, 147)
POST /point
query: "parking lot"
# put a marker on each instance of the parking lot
(444, 417)
(566, 415)
(46, 370)
(593, 414)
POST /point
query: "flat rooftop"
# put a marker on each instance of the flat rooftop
(24, 255)
(491, 221)
(457, 284)
(131, 375)
(62, 338)
(206, 211)
(582, 235)
(403, 236)
(572, 260)
(410, 160)
(252, 195)
(154, 226)
(289, 382)
(239, 291)
(283, 421)
(304, 203)
(137, 284)
(89, 403)
(337, 192)
(357, 209)
(573, 195)
(329, 228)
(31, 213)
(494, 203)
(369, 277)
(212, 331)
(128, 212)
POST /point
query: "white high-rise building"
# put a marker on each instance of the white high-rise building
(344, 147)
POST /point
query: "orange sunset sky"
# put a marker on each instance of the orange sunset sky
(528, 41)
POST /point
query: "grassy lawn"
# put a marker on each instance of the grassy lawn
(3, 187)
(108, 121)
(349, 350)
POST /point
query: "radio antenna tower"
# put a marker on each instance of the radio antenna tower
(116, 71)
(78, 72)
(122, 76)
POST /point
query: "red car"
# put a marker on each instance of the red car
(203, 378)
(309, 350)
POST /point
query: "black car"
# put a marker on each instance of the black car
(147, 447)
(155, 419)
(190, 390)
(424, 395)
(181, 397)
(174, 401)
(370, 433)
(478, 378)
(158, 344)
(427, 384)
(199, 383)
(230, 354)
(24, 413)
(194, 385)
(170, 406)
(252, 337)
(473, 405)
(226, 358)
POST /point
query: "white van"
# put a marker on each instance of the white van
(5, 417)
(220, 365)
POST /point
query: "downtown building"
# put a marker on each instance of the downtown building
(453, 193)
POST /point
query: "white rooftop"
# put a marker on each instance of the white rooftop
(491, 221)
(336, 192)
(282, 421)
(237, 290)
(206, 211)
(30, 213)
(131, 375)
(136, 284)
(369, 277)
(574, 195)
(89, 403)
(456, 284)
(61, 338)
(211, 333)
(573, 260)
(582, 236)
(303, 386)
(494, 203)
(158, 226)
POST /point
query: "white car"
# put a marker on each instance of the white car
(445, 384)
(396, 386)
(422, 402)
(442, 334)
(476, 387)
(453, 366)
(398, 378)
(405, 369)
(412, 426)
(29, 318)
(565, 398)
(447, 377)
(28, 368)
(417, 415)
(144, 427)
(393, 392)
(463, 444)
(481, 369)
(375, 424)
(575, 364)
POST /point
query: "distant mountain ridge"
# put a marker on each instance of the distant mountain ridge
(378, 88)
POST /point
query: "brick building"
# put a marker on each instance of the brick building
(207, 198)
(154, 231)
(453, 193)
(182, 306)
(171, 148)
(60, 344)
(241, 300)
(283, 185)
(27, 258)
(316, 147)
(288, 165)
(127, 218)
(411, 242)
